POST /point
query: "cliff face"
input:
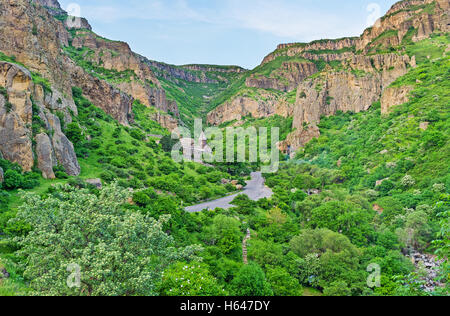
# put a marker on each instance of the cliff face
(16, 118)
(425, 16)
(140, 82)
(264, 105)
(170, 72)
(286, 78)
(31, 36)
(348, 91)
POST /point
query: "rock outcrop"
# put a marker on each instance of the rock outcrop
(292, 73)
(140, 81)
(241, 106)
(299, 138)
(65, 154)
(16, 116)
(165, 121)
(393, 96)
(113, 101)
(2, 175)
(52, 6)
(45, 156)
(425, 16)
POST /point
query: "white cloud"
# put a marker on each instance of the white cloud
(288, 19)
(142, 10)
(283, 18)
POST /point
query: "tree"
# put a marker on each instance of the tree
(194, 279)
(337, 288)
(319, 241)
(283, 284)
(417, 231)
(305, 182)
(13, 179)
(346, 218)
(251, 281)
(113, 251)
(225, 233)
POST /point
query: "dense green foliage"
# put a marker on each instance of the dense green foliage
(371, 188)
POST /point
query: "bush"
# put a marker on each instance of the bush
(74, 133)
(13, 180)
(137, 134)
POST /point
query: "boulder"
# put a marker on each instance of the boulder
(424, 126)
(2, 175)
(380, 182)
(95, 182)
(65, 154)
(45, 156)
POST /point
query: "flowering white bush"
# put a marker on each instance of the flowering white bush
(408, 181)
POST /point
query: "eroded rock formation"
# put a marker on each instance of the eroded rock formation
(16, 115)
(265, 105)
(141, 83)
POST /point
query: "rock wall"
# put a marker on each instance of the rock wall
(393, 96)
(286, 78)
(348, 91)
(403, 16)
(266, 105)
(16, 115)
(115, 55)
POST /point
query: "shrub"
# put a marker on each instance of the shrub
(408, 181)
(74, 133)
(137, 134)
(13, 179)
(61, 175)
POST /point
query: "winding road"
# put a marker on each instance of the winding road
(255, 190)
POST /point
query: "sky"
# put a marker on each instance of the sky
(223, 32)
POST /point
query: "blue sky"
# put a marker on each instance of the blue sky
(225, 32)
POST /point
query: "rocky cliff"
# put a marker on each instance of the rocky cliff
(263, 104)
(38, 73)
(353, 90)
(138, 79)
(286, 78)
(36, 39)
(21, 101)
